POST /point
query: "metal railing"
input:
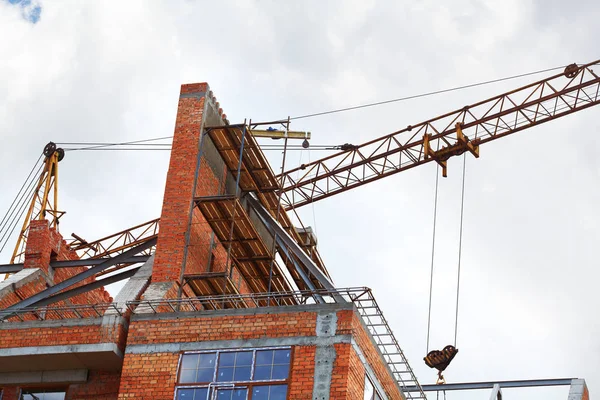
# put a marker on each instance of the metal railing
(361, 297)
(48, 313)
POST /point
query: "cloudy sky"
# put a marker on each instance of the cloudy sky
(110, 71)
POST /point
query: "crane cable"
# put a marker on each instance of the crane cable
(437, 178)
(460, 237)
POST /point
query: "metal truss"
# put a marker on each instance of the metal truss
(44, 201)
(440, 138)
(117, 243)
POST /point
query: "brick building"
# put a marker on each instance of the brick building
(211, 312)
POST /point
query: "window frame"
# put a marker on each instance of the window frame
(248, 384)
(376, 395)
(44, 390)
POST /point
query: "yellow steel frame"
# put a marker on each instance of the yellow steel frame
(43, 202)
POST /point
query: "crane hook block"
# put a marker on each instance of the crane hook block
(440, 359)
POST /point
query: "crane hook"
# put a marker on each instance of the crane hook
(440, 360)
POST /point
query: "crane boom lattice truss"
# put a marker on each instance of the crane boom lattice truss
(440, 138)
(44, 200)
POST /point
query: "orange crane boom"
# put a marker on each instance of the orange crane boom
(440, 138)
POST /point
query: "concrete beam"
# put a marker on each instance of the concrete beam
(234, 344)
(66, 376)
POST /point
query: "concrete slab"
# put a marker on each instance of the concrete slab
(103, 356)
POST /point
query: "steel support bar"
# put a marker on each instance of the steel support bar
(490, 385)
(12, 268)
(282, 235)
(305, 278)
(85, 288)
(59, 287)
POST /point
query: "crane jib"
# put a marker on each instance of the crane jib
(443, 137)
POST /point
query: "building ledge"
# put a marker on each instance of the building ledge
(99, 356)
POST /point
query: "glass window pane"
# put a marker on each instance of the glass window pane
(240, 394)
(187, 376)
(225, 374)
(262, 373)
(189, 361)
(242, 374)
(243, 358)
(226, 359)
(264, 357)
(54, 396)
(278, 392)
(368, 394)
(207, 360)
(205, 375)
(185, 394)
(280, 372)
(201, 394)
(224, 394)
(282, 357)
(260, 393)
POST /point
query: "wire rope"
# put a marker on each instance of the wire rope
(20, 190)
(437, 177)
(416, 96)
(460, 237)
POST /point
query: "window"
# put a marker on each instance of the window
(42, 394)
(256, 374)
(370, 391)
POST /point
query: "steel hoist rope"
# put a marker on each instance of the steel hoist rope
(435, 201)
(460, 237)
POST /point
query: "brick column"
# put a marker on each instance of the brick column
(196, 108)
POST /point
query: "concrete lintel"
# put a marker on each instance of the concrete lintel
(51, 323)
(315, 308)
(36, 377)
(234, 344)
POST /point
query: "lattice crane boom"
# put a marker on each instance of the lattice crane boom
(44, 200)
(440, 138)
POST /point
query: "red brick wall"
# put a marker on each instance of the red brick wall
(43, 244)
(222, 328)
(302, 374)
(348, 320)
(101, 385)
(149, 376)
(179, 185)
(52, 336)
(179, 193)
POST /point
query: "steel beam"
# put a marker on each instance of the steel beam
(59, 287)
(85, 288)
(12, 268)
(490, 385)
(287, 241)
